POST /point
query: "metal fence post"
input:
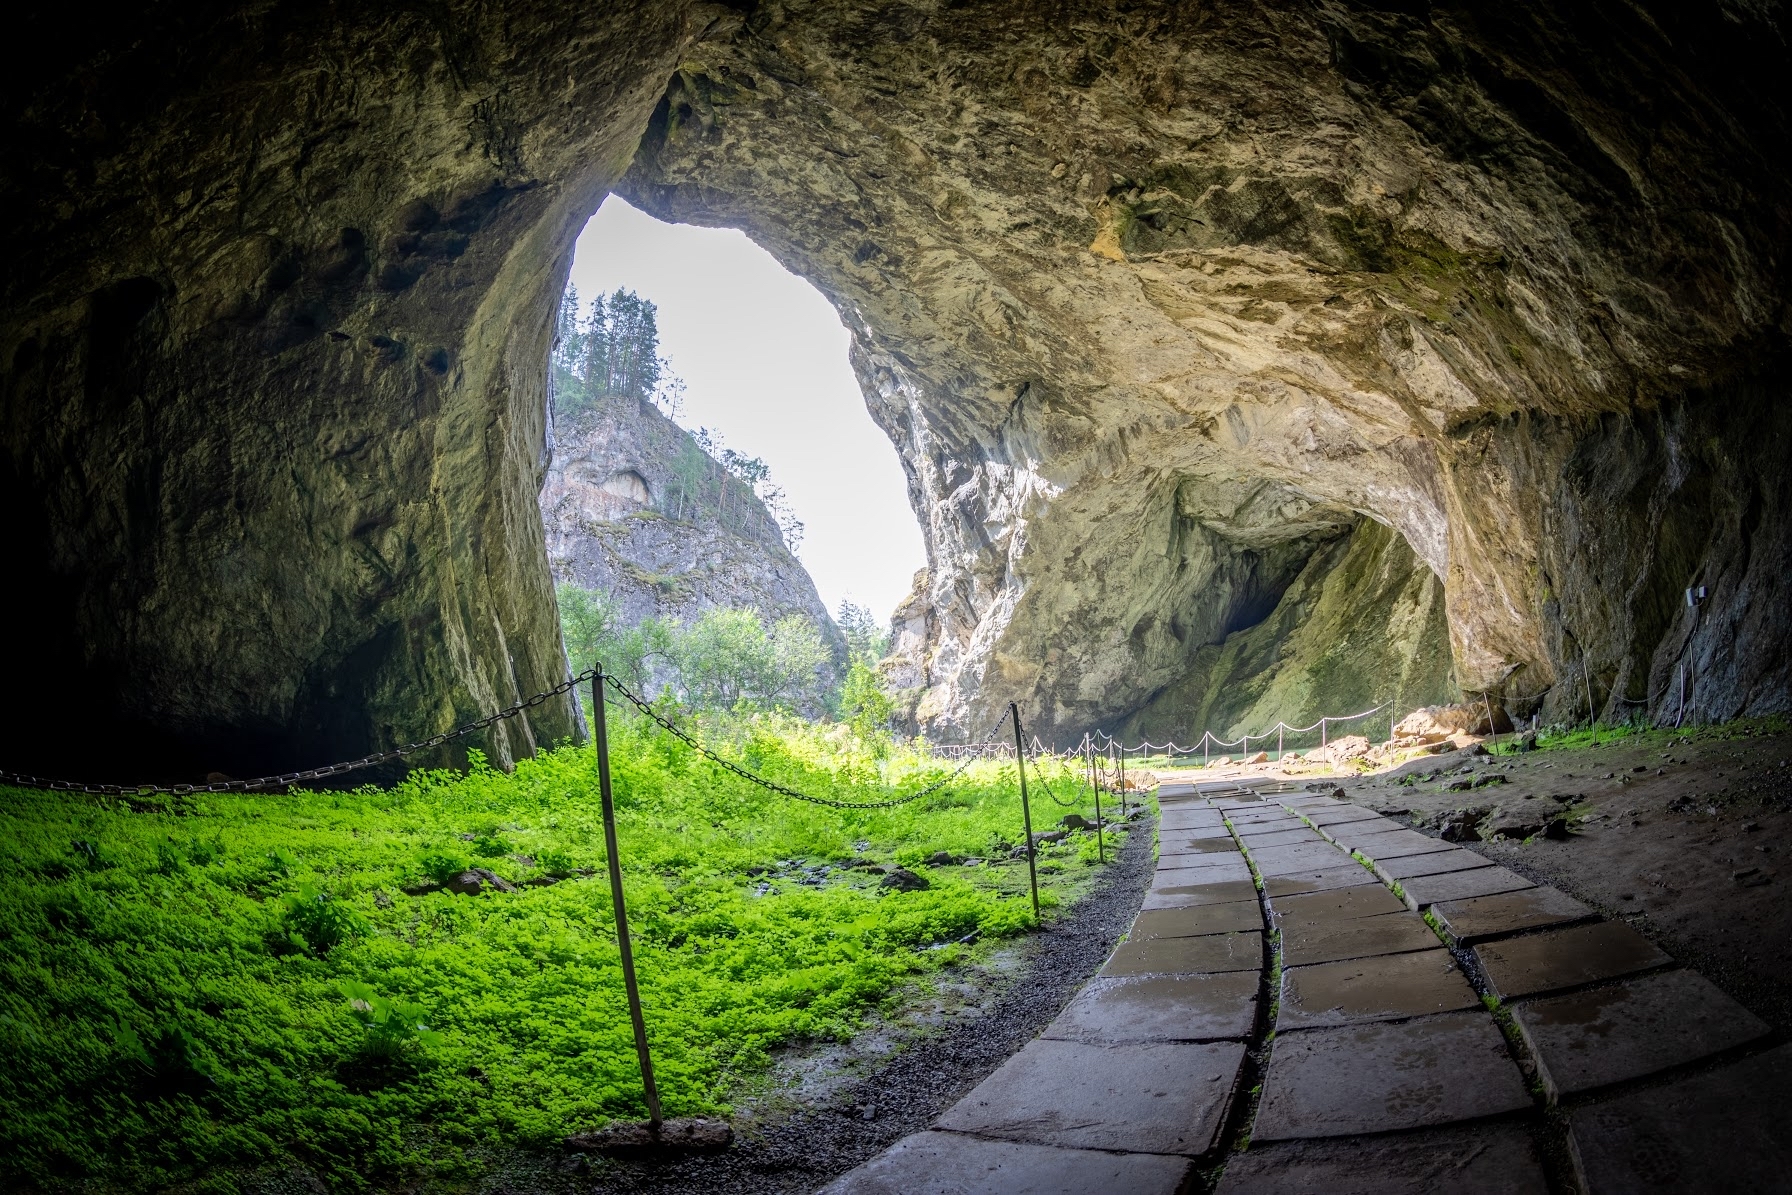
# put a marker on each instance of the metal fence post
(1026, 811)
(1101, 849)
(1120, 749)
(600, 733)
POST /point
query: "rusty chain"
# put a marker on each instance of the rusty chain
(784, 790)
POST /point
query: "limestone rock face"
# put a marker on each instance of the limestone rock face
(1156, 300)
(274, 324)
(634, 508)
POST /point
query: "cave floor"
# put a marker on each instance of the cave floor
(1604, 1011)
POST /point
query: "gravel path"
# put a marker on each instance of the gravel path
(812, 1147)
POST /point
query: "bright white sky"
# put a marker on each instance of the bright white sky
(763, 357)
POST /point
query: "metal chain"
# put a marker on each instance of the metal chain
(1046, 785)
(783, 790)
(21, 780)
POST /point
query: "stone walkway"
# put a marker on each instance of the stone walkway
(1364, 1008)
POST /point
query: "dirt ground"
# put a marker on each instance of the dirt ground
(1685, 836)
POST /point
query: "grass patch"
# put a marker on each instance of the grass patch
(244, 983)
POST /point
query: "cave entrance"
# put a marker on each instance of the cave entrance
(712, 449)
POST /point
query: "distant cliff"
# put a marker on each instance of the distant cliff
(634, 508)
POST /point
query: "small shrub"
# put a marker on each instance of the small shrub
(443, 865)
(394, 1031)
(170, 1064)
(313, 923)
(93, 855)
(490, 846)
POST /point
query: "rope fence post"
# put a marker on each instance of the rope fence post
(1026, 811)
(1279, 751)
(600, 733)
(1101, 849)
(1322, 732)
(1121, 748)
(1204, 735)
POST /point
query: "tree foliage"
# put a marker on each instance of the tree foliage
(611, 350)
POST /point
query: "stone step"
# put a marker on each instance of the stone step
(1565, 958)
(952, 1162)
(1216, 1007)
(1380, 988)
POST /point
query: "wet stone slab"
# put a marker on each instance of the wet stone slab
(1291, 860)
(1374, 989)
(1200, 842)
(1180, 896)
(1565, 958)
(1183, 870)
(1484, 917)
(1161, 1008)
(1333, 941)
(1164, 1098)
(1397, 844)
(1196, 921)
(1436, 863)
(1187, 956)
(1367, 899)
(1387, 1076)
(1424, 891)
(1629, 1029)
(1355, 831)
(1721, 1131)
(954, 1164)
(1499, 1159)
(1349, 874)
(1300, 837)
(1340, 814)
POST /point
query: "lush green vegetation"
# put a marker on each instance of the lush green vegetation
(1638, 733)
(229, 983)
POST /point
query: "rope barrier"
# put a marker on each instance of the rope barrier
(21, 780)
(784, 790)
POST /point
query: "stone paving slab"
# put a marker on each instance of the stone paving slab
(1280, 838)
(1179, 896)
(1161, 1008)
(1343, 813)
(1175, 788)
(1722, 1131)
(1368, 899)
(954, 1164)
(1166, 1098)
(1630, 1029)
(1190, 819)
(1260, 815)
(1470, 921)
(1291, 860)
(1186, 859)
(1565, 958)
(1348, 874)
(1374, 989)
(1337, 940)
(1462, 885)
(1436, 863)
(1396, 844)
(1187, 956)
(1496, 1159)
(1387, 1076)
(1352, 831)
(1268, 825)
(1182, 870)
(1193, 922)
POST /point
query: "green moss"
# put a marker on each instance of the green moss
(174, 1012)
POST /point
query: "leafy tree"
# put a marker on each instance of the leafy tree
(592, 628)
(610, 351)
(866, 638)
(727, 659)
(864, 704)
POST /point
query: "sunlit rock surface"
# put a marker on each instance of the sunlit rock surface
(1155, 300)
(635, 509)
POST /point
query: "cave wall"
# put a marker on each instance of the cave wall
(1295, 264)
(279, 292)
(1154, 299)
(1361, 627)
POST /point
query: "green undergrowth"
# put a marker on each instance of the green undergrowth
(243, 982)
(1638, 734)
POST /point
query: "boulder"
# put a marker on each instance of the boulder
(1260, 757)
(1438, 722)
(901, 879)
(476, 880)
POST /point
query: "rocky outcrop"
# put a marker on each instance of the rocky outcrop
(635, 509)
(1155, 300)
